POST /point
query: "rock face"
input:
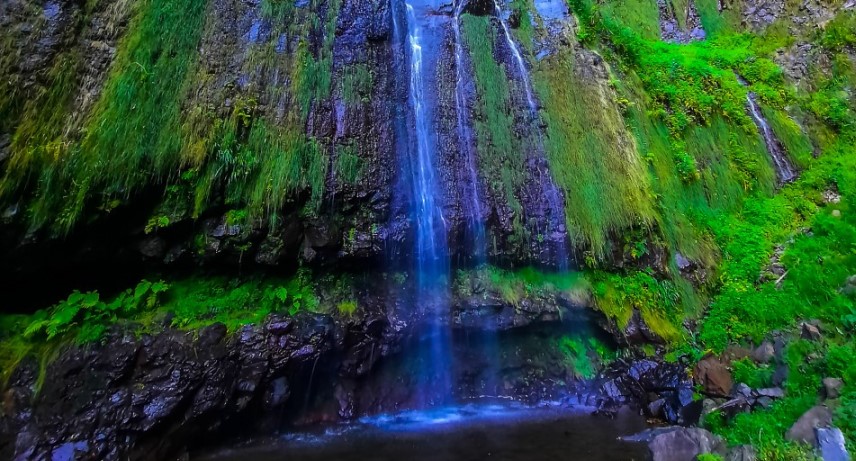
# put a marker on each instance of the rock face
(685, 444)
(803, 429)
(832, 387)
(155, 396)
(663, 390)
(713, 376)
(143, 398)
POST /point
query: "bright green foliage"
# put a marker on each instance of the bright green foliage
(640, 15)
(86, 314)
(709, 457)
(190, 304)
(514, 286)
(262, 159)
(149, 127)
(593, 158)
(755, 376)
(198, 302)
(349, 165)
(659, 302)
(130, 137)
(577, 354)
(500, 152)
(840, 32)
(356, 83)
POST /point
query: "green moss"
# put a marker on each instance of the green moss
(356, 83)
(514, 286)
(659, 302)
(640, 15)
(592, 156)
(348, 165)
(500, 152)
(347, 308)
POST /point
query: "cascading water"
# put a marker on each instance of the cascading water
(555, 225)
(518, 59)
(784, 169)
(465, 142)
(430, 250)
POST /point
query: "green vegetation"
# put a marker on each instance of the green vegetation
(187, 304)
(514, 286)
(585, 354)
(713, 192)
(500, 152)
(660, 303)
(154, 123)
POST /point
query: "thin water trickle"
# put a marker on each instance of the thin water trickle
(783, 166)
(518, 59)
(555, 226)
(465, 140)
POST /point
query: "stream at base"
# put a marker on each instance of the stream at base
(496, 431)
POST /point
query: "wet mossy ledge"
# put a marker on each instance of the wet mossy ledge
(258, 141)
(487, 298)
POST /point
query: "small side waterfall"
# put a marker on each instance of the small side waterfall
(556, 221)
(518, 59)
(465, 142)
(784, 169)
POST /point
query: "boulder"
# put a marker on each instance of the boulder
(713, 376)
(832, 387)
(810, 332)
(831, 444)
(803, 430)
(685, 444)
(764, 353)
(771, 392)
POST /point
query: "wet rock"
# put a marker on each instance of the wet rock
(713, 376)
(685, 444)
(636, 333)
(764, 353)
(803, 430)
(831, 444)
(832, 387)
(771, 392)
(671, 28)
(780, 375)
(810, 332)
(742, 390)
(636, 382)
(153, 247)
(742, 453)
(733, 353)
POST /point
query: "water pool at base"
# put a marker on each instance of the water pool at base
(504, 431)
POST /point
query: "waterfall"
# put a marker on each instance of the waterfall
(518, 59)
(784, 169)
(465, 142)
(783, 166)
(430, 252)
(556, 221)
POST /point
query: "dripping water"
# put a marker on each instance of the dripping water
(465, 142)
(555, 226)
(784, 169)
